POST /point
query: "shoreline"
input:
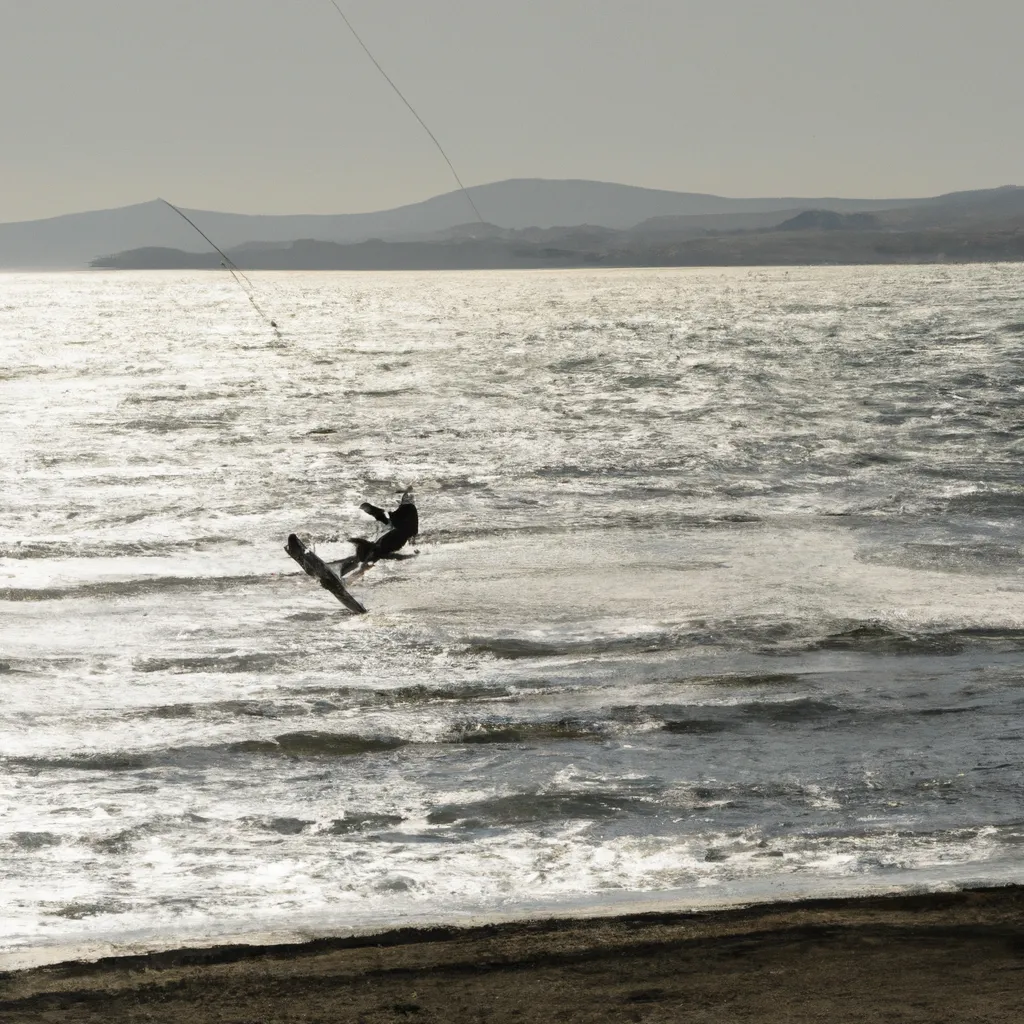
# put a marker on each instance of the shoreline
(930, 955)
(798, 262)
(279, 933)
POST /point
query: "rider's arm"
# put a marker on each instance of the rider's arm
(378, 513)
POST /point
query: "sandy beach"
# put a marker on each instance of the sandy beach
(929, 957)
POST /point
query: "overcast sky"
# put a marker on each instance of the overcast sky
(269, 106)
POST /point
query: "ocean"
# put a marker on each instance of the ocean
(718, 596)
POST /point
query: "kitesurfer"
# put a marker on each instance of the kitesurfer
(404, 524)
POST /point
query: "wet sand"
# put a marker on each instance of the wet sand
(929, 958)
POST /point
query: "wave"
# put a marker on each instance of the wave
(1007, 503)
(985, 558)
(78, 911)
(697, 726)
(106, 761)
(751, 679)
(575, 363)
(282, 826)
(802, 709)
(386, 392)
(227, 709)
(525, 808)
(645, 381)
(647, 798)
(874, 638)
(863, 459)
(181, 393)
(702, 717)
(253, 662)
(702, 720)
(524, 732)
(759, 636)
(302, 744)
(500, 730)
(355, 822)
(514, 648)
(319, 744)
(123, 841)
(30, 666)
(34, 840)
(461, 483)
(363, 822)
(117, 549)
(169, 424)
(136, 587)
(313, 700)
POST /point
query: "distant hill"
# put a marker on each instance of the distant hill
(829, 220)
(75, 239)
(961, 227)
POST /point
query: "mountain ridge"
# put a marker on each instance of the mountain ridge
(984, 226)
(74, 240)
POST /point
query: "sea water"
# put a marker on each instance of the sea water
(718, 595)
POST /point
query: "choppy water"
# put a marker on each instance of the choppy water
(719, 593)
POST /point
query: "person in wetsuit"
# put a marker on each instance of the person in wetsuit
(405, 524)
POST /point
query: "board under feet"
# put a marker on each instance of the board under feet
(313, 565)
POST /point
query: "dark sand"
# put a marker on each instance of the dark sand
(929, 958)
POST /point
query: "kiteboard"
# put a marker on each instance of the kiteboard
(316, 567)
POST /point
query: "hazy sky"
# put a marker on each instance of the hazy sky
(269, 106)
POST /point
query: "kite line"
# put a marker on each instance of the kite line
(240, 278)
(411, 108)
(229, 264)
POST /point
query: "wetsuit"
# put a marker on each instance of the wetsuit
(405, 524)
